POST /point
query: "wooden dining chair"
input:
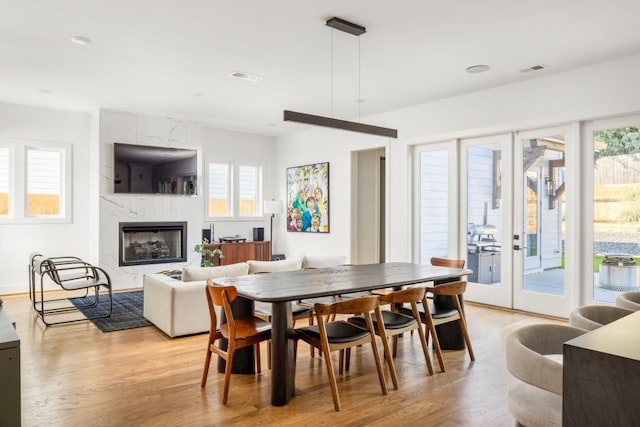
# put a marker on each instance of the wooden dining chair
(240, 332)
(396, 323)
(433, 316)
(340, 335)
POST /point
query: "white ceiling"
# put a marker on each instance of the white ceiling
(153, 56)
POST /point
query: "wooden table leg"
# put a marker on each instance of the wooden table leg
(282, 357)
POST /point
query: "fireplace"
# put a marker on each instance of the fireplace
(152, 243)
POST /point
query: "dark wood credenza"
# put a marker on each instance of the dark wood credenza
(241, 251)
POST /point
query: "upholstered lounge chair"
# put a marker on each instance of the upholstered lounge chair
(630, 300)
(591, 317)
(536, 398)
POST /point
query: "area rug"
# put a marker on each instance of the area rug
(126, 314)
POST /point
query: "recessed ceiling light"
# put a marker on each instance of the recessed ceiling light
(475, 69)
(196, 94)
(81, 40)
(47, 91)
(246, 76)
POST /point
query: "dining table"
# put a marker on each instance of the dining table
(282, 288)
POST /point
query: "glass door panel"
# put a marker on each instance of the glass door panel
(485, 199)
(616, 211)
(539, 223)
(433, 204)
(532, 221)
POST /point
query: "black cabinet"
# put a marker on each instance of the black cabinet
(10, 411)
(485, 265)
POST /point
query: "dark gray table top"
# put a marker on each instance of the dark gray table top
(8, 336)
(300, 284)
(620, 338)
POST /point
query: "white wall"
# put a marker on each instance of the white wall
(161, 131)
(19, 240)
(597, 91)
(315, 146)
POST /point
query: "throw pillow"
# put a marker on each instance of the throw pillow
(274, 266)
(192, 274)
(322, 261)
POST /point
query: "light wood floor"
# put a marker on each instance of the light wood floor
(75, 375)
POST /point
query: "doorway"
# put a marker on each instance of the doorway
(369, 207)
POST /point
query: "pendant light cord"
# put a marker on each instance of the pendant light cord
(359, 101)
(331, 107)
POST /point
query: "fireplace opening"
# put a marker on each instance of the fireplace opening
(152, 243)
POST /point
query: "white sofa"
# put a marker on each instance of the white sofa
(179, 307)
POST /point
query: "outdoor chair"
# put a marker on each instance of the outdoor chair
(71, 274)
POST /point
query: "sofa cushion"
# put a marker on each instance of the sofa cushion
(274, 266)
(192, 274)
(322, 261)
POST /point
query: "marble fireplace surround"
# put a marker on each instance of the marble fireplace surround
(116, 208)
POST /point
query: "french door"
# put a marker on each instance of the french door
(501, 203)
(541, 251)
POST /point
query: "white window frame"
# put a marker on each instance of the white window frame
(230, 189)
(234, 192)
(11, 181)
(18, 182)
(259, 191)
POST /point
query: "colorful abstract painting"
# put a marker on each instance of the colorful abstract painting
(308, 198)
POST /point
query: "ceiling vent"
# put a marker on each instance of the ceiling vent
(533, 68)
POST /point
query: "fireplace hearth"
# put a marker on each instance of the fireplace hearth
(152, 243)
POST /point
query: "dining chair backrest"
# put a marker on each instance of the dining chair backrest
(404, 296)
(450, 289)
(221, 296)
(446, 262)
(365, 304)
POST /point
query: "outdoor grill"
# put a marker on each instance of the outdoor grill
(483, 252)
(477, 231)
(619, 273)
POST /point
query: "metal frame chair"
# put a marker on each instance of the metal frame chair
(71, 274)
